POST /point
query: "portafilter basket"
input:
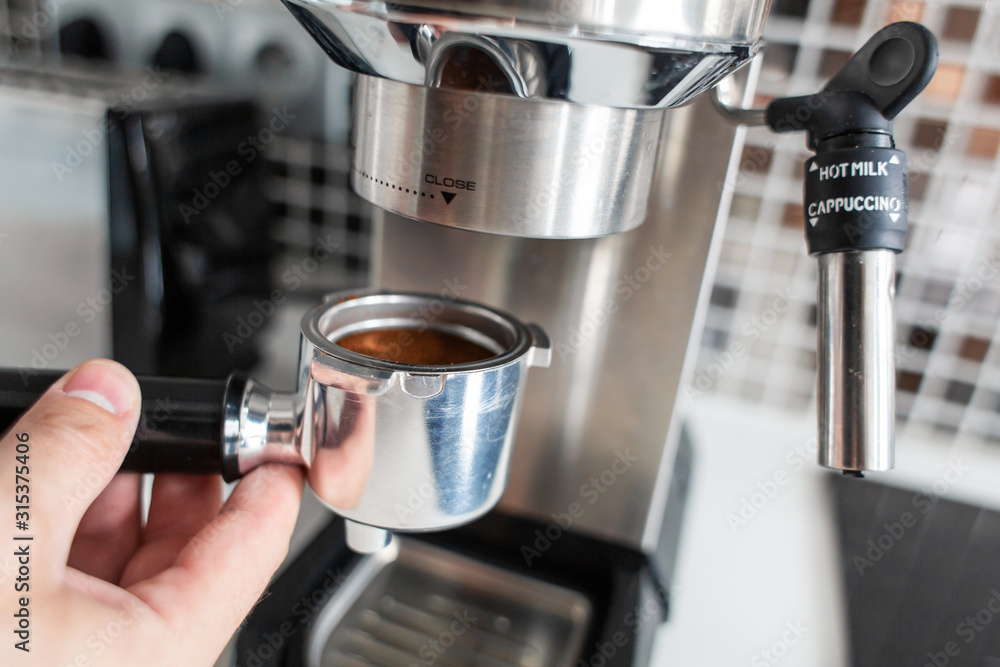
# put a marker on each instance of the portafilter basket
(389, 445)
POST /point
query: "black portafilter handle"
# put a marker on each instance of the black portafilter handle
(181, 421)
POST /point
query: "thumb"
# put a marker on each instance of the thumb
(62, 452)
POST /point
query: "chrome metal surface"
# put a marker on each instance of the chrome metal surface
(392, 446)
(722, 100)
(365, 539)
(497, 163)
(284, 426)
(519, 64)
(624, 313)
(621, 53)
(266, 429)
(856, 381)
(460, 108)
(419, 604)
(407, 447)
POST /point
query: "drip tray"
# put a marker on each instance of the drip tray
(412, 604)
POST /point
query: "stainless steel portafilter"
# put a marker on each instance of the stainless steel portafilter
(855, 212)
(389, 446)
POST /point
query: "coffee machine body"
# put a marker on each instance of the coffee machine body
(580, 551)
(574, 177)
(601, 429)
(554, 160)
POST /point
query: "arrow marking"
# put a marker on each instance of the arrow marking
(894, 160)
(813, 221)
(813, 167)
(894, 216)
(448, 196)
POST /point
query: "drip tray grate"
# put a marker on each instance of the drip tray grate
(412, 605)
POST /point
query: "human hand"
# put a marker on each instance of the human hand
(102, 589)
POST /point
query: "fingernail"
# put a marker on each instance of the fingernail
(106, 384)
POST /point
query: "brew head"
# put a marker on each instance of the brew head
(535, 118)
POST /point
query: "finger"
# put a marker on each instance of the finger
(221, 573)
(77, 435)
(97, 589)
(110, 530)
(180, 507)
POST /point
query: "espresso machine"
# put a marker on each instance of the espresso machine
(573, 176)
(539, 136)
(554, 160)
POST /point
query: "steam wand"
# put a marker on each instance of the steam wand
(856, 205)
